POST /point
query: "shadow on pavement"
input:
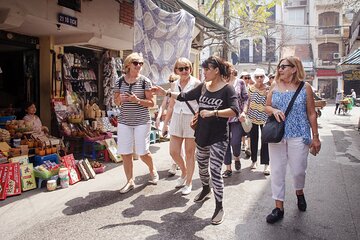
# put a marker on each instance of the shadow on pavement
(168, 228)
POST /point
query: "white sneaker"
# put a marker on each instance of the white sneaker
(253, 165)
(266, 170)
(186, 190)
(154, 178)
(172, 170)
(180, 182)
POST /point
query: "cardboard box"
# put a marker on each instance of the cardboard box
(24, 159)
(84, 174)
(111, 146)
(88, 168)
(27, 177)
(13, 186)
(4, 171)
(74, 174)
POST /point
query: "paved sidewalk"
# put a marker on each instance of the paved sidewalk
(96, 210)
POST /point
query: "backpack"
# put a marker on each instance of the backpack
(122, 79)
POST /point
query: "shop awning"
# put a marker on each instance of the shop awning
(201, 19)
(351, 62)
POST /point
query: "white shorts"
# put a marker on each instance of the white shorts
(130, 136)
(180, 125)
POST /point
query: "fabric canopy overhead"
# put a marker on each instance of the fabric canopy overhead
(162, 37)
(351, 62)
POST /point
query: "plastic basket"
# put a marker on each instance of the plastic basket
(42, 174)
(99, 169)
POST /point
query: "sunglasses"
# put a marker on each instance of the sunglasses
(271, 77)
(283, 66)
(137, 63)
(261, 76)
(183, 68)
(246, 78)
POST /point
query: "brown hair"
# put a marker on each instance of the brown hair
(217, 62)
(299, 75)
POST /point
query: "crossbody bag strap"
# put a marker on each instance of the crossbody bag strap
(188, 104)
(293, 99)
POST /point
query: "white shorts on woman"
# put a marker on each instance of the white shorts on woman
(130, 136)
(180, 125)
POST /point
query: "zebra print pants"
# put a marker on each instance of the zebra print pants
(213, 154)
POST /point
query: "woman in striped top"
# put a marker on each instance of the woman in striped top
(258, 116)
(134, 97)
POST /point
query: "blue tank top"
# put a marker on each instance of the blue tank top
(296, 123)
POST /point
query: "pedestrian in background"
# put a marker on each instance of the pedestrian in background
(180, 131)
(271, 77)
(293, 149)
(236, 131)
(134, 98)
(246, 145)
(217, 102)
(338, 98)
(258, 117)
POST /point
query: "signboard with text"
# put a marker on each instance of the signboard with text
(68, 20)
(352, 75)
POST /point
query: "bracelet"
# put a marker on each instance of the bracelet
(315, 134)
(138, 102)
(216, 113)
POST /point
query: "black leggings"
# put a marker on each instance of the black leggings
(254, 140)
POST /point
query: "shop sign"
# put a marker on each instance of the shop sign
(69, 20)
(352, 75)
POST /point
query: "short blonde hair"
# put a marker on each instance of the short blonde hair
(183, 60)
(299, 75)
(131, 58)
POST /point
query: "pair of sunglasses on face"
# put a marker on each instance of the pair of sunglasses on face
(283, 66)
(183, 68)
(137, 63)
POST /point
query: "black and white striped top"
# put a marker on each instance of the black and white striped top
(133, 114)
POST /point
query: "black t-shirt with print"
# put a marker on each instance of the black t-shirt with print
(212, 129)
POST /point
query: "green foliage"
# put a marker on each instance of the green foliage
(247, 17)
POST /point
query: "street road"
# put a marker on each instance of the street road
(96, 210)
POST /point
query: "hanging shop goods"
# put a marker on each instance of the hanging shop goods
(112, 73)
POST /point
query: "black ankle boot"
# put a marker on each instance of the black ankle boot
(275, 215)
(301, 202)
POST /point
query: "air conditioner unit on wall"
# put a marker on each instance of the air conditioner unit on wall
(336, 55)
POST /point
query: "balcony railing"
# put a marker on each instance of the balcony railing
(327, 63)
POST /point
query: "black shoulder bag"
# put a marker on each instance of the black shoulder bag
(273, 131)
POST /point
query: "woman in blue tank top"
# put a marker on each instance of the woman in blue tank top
(293, 149)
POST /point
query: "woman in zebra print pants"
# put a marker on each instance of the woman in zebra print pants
(217, 102)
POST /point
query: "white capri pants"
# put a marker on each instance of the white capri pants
(128, 136)
(290, 151)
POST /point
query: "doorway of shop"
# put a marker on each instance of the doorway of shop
(19, 77)
(327, 88)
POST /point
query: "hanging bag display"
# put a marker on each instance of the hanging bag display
(273, 131)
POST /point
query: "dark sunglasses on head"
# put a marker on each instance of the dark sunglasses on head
(137, 63)
(183, 68)
(283, 66)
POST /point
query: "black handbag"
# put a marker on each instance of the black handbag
(273, 131)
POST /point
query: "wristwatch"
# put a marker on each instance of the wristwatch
(138, 102)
